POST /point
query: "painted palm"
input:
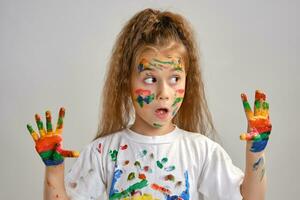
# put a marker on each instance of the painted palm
(48, 143)
(259, 124)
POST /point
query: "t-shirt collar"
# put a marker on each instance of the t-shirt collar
(140, 138)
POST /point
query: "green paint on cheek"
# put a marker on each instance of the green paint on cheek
(148, 99)
(177, 100)
(113, 154)
(157, 125)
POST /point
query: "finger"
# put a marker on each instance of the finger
(40, 125)
(60, 121)
(260, 97)
(247, 108)
(48, 122)
(67, 153)
(265, 109)
(249, 136)
(33, 134)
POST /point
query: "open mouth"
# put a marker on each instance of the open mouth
(162, 113)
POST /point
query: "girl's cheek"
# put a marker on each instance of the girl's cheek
(143, 96)
(177, 101)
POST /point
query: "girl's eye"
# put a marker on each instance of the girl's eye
(175, 79)
(150, 80)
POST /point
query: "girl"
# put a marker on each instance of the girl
(154, 79)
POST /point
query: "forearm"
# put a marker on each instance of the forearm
(54, 187)
(254, 184)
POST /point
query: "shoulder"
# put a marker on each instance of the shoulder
(105, 143)
(199, 139)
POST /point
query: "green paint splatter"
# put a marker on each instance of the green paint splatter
(159, 164)
(137, 164)
(144, 152)
(164, 160)
(126, 193)
(131, 176)
(113, 154)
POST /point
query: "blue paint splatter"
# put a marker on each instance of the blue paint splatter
(117, 175)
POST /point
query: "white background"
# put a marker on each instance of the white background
(54, 53)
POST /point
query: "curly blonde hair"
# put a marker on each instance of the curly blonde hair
(154, 28)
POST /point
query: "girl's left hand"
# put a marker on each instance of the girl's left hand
(259, 124)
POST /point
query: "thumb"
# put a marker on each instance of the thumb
(67, 153)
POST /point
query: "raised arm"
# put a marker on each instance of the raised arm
(259, 129)
(48, 144)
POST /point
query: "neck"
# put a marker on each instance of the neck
(146, 129)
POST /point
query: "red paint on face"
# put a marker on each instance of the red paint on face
(143, 92)
(180, 91)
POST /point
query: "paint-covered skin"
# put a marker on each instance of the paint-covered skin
(158, 81)
(258, 122)
(48, 143)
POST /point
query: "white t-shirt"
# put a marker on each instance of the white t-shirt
(178, 165)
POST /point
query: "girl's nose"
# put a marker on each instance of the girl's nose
(163, 92)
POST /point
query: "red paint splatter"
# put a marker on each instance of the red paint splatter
(142, 176)
(124, 147)
(126, 162)
(164, 190)
(146, 168)
(169, 177)
(99, 149)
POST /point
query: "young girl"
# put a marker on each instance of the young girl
(154, 79)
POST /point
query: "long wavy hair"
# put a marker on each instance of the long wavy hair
(153, 28)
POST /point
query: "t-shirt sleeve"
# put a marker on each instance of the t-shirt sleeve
(85, 179)
(220, 179)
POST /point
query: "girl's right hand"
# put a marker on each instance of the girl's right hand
(48, 143)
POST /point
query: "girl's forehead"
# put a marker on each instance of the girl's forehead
(149, 56)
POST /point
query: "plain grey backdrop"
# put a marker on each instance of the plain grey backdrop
(54, 53)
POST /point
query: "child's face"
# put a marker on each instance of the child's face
(157, 87)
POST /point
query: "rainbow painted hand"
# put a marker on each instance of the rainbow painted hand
(259, 124)
(48, 144)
